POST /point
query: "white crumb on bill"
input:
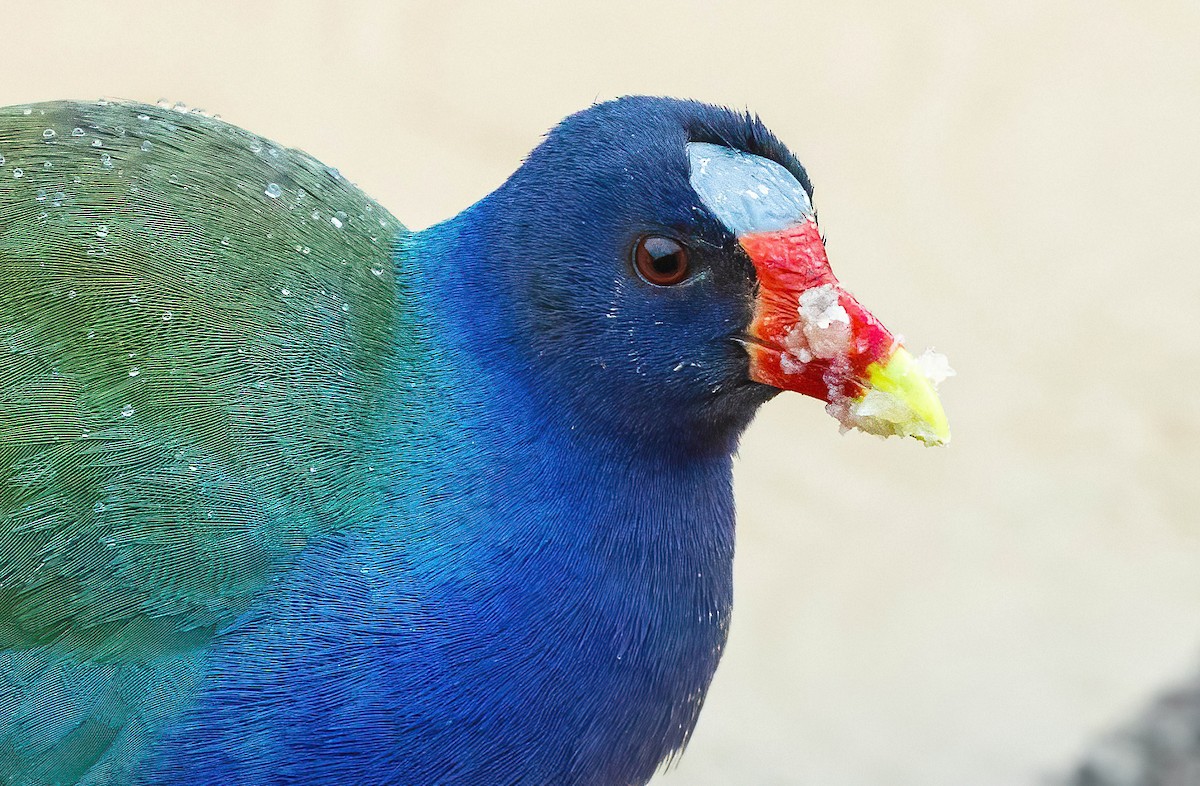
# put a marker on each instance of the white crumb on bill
(823, 330)
(886, 415)
(825, 323)
(935, 366)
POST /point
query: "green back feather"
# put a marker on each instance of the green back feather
(197, 333)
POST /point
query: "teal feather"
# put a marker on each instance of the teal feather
(165, 449)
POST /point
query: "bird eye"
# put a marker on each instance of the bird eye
(660, 260)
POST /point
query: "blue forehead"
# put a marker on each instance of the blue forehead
(747, 193)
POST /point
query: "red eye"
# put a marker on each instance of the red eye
(661, 260)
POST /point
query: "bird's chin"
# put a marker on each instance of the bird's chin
(753, 394)
(729, 411)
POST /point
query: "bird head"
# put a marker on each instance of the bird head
(669, 277)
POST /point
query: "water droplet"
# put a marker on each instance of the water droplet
(127, 411)
(273, 190)
(59, 198)
(18, 172)
(256, 147)
(345, 307)
(377, 271)
(133, 372)
(316, 214)
(106, 160)
(285, 291)
(143, 117)
(338, 220)
(134, 299)
(41, 195)
(306, 251)
(97, 143)
(47, 165)
(49, 133)
(27, 112)
(72, 294)
(77, 131)
(2, 159)
(98, 507)
(167, 316)
(181, 107)
(146, 146)
(102, 231)
(91, 334)
(225, 240)
(312, 470)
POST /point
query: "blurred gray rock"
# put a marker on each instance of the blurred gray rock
(1160, 748)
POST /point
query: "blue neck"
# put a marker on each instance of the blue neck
(588, 576)
(542, 603)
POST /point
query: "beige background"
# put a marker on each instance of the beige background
(1017, 183)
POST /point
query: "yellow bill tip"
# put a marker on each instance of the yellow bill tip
(900, 399)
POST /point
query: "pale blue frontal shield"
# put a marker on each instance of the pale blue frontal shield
(747, 193)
